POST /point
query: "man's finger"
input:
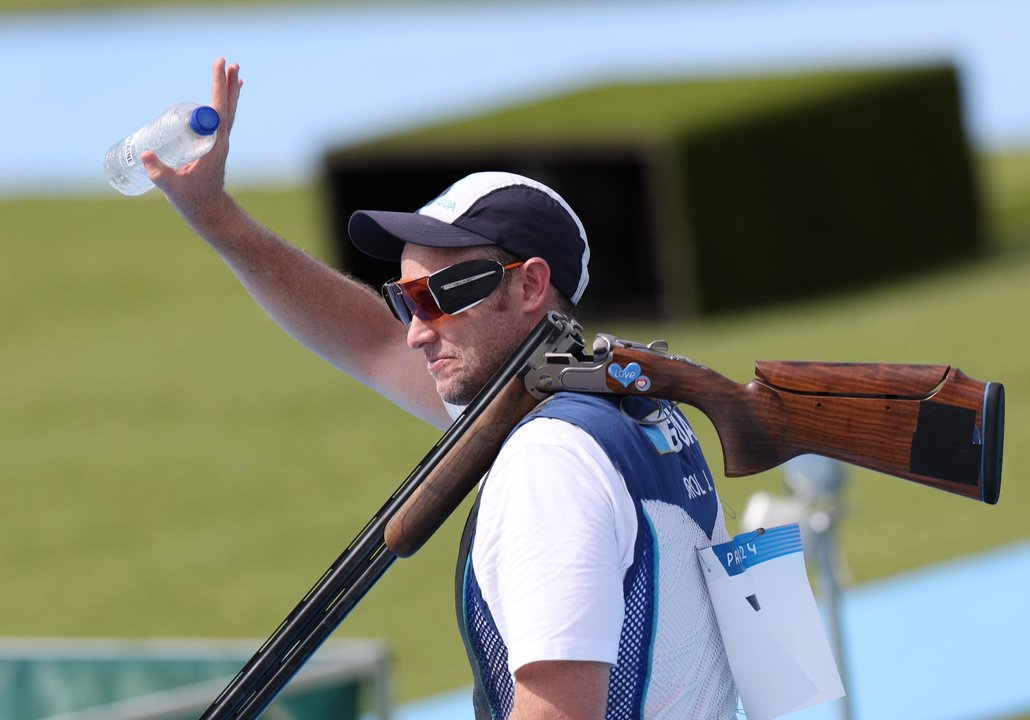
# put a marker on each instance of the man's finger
(234, 85)
(156, 170)
(218, 101)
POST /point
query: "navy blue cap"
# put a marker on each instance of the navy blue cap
(519, 215)
(204, 120)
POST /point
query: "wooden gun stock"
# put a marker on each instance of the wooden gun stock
(931, 424)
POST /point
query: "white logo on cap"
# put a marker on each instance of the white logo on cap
(462, 195)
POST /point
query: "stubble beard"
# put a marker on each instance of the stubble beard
(462, 392)
(498, 345)
(463, 388)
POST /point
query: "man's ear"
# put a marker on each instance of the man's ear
(534, 284)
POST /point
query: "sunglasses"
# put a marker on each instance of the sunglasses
(449, 291)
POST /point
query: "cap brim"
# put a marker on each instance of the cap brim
(382, 234)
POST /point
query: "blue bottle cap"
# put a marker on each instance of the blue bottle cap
(204, 120)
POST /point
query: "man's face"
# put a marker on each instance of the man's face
(464, 351)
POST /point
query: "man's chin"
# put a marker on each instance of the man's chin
(461, 399)
(456, 393)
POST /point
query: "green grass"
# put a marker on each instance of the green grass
(173, 465)
(1005, 179)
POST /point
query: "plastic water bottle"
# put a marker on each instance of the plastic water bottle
(183, 133)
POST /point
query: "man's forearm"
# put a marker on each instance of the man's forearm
(339, 318)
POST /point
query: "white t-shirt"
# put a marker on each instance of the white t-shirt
(551, 598)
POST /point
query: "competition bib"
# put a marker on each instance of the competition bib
(777, 649)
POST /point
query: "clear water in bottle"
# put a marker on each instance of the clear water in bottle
(183, 133)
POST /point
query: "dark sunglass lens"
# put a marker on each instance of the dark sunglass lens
(461, 286)
(394, 297)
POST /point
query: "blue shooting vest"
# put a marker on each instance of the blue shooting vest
(661, 462)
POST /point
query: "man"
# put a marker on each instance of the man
(580, 593)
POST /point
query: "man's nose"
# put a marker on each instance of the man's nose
(420, 333)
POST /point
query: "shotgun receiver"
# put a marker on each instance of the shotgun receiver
(927, 423)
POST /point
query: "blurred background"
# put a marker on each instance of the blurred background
(760, 179)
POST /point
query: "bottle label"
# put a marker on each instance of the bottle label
(127, 150)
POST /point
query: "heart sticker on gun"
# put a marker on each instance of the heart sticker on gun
(624, 375)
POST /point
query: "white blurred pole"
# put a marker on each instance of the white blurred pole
(824, 541)
(816, 484)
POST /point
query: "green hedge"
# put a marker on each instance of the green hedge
(830, 193)
(705, 195)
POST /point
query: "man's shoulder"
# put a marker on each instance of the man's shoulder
(540, 429)
(576, 405)
(604, 416)
(545, 448)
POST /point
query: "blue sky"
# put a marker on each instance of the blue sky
(321, 75)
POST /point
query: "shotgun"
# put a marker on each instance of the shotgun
(931, 424)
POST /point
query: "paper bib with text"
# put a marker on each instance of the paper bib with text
(777, 649)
